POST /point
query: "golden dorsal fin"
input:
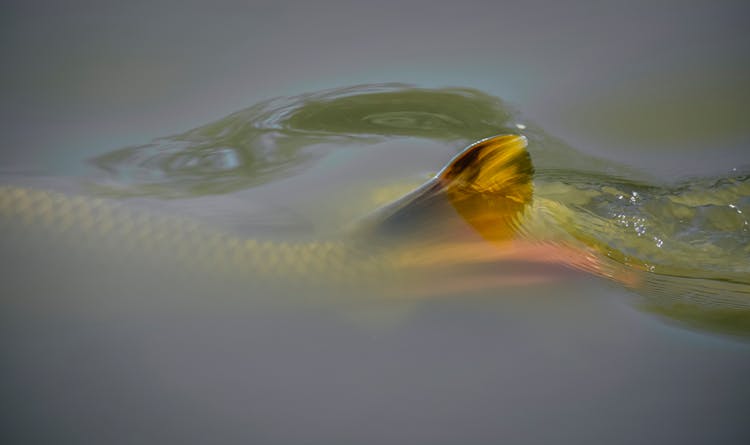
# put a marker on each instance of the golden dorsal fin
(490, 184)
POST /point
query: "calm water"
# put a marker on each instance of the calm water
(104, 346)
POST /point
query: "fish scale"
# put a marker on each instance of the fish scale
(97, 222)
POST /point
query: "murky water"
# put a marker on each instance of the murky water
(242, 281)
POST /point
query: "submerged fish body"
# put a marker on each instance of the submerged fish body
(487, 219)
(489, 187)
(414, 245)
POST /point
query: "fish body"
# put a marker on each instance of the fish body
(424, 243)
(490, 219)
(499, 214)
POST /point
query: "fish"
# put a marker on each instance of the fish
(486, 220)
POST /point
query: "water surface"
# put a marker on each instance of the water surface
(102, 345)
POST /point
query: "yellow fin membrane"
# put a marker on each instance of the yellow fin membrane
(490, 184)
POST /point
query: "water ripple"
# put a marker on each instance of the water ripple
(279, 137)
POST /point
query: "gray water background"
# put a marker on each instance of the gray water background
(658, 85)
